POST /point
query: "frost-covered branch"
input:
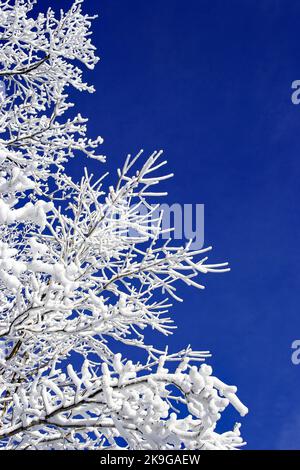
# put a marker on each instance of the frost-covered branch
(82, 266)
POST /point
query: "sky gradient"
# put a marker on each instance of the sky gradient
(209, 82)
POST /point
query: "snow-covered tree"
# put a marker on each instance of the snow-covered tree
(82, 270)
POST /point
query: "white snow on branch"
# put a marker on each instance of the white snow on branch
(83, 269)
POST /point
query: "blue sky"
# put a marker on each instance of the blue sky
(210, 82)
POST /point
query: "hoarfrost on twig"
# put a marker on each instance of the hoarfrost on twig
(73, 277)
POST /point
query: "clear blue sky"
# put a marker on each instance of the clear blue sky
(209, 81)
